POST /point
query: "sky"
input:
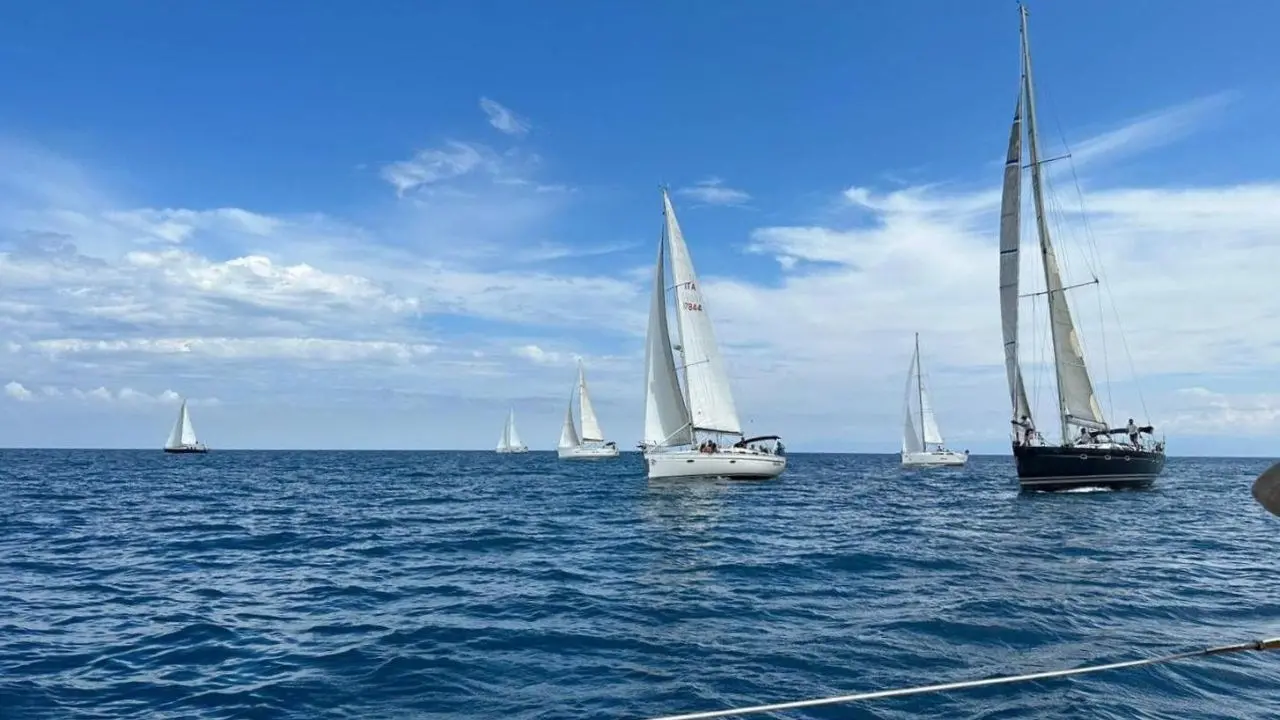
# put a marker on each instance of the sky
(381, 225)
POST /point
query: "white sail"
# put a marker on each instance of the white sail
(183, 433)
(513, 437)
(910, 439)
(1077, 401)
(666, 419)
(929, 434)
(932, 435)
(711, 405)
(568, 433)
(591, 431)
(1010, 237)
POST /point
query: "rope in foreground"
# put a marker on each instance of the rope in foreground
(1271, 644)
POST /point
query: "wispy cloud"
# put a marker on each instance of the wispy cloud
(713, 191)
(1156, 129)
(503, 118)
(433, 165)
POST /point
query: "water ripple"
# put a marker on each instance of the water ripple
(465, 585)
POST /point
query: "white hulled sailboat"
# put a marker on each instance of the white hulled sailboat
(693, 431)
(925, 449)
(182, 439)
(590, 445)
(510, 440)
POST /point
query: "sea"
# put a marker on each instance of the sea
(135, 584)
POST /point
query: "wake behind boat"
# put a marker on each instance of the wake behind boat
(182, 439)
(1087, 455)
(926, 449)
(510, 441)
(591, 444)
(693, 431)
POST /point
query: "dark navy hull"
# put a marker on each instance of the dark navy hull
(187, 451)
(1064, 468)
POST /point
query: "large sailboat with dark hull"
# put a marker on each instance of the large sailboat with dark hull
(1090, 453)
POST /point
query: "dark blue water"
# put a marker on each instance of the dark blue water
(468, 585)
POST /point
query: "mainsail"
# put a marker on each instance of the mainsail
(183, 433)
(510, 439)
(1077, 402)
(591, 431)
(929, 437)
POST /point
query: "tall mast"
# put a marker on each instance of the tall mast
(1042, 226)
(924, 441)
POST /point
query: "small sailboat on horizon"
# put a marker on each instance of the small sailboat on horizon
(1087, 453)
(590, 445)
(182, 439)
(510, 441)
(690, 430)
(926, 449)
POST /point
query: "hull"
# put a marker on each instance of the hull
(942, 458)
(732, 463)
(187, 450)
(1064, 467)
(512, 451)
(587, 453)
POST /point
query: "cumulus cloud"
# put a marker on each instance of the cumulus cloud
(17, 390)
(313, 311)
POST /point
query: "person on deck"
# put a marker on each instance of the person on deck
(1084, 437)
(1028, 429)
(1132, 429)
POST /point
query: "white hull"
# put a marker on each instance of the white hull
(512, 450)
(587, 453)
(941, 458)
(729, 463)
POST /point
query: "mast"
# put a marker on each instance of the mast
(924, 439)
(1042, 227)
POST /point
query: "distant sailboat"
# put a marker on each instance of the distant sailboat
(927, 448)
(684, 427)
(1086, 454)
(510, 440)
(591, 444)
(182, 439)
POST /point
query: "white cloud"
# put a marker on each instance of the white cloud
(330, 350)
(434, 165)
(713, 191)
(502, 118)
(535, 354)
(17, 391)
(433, 303)
(1201, 411)
(1162, 127)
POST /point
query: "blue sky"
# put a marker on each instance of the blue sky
(342, 225)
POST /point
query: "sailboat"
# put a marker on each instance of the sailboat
(510, 440)
(182, 439)
(693, 430)
(590, 445)
(1087, 454)
(925, 449)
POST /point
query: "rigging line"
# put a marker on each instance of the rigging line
(1257, 645)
